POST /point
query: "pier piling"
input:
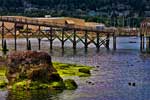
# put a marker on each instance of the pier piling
(62, 39)
(114, 41)
(15, 36)
(39, 43)
(148, 44)
(74, 40)
(51, 38)
(107, 41)
(3, 33)
(98, 41)
(86, 41)
(142, 42)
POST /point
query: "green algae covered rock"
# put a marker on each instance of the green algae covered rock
(30, 85)
(57, 85)
(70, 84)
(84, 70)
(22, 85)
(3, 84)
(32, 65)
(72, 69)
(30, 70)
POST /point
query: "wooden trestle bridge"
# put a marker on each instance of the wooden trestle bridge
(52, 31)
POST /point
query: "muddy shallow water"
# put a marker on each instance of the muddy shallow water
(111, 75)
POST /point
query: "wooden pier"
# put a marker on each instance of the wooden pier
(62, 32)
(23, 27)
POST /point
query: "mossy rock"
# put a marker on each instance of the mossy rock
(55, 77)
(2, 73)
(3, 84)
(72, 69)
(71, 73)
(25, 85)
(20, 85)
(30, 65)
(38, 81)
(64, 66)
(44, 86)
(84, 70)
(70, 84)
(56, 63)
(83, 75)
(57, 85)
(37, 85)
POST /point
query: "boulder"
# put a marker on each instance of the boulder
(31, 65)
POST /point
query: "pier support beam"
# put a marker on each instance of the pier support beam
(114, 41)
(51, 38)
(39, 39)
(62, 39)
(148, 44)
(98, 41)
(2, 34)
(74, 40)
(15, 36)
(142, 42)
(29, 45)
(39, 42)
(107, 41)
(27, 38)
(86, 41)
(149, 41)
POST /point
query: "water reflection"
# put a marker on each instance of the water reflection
(33, 95)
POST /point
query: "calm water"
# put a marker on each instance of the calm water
(109, 81)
